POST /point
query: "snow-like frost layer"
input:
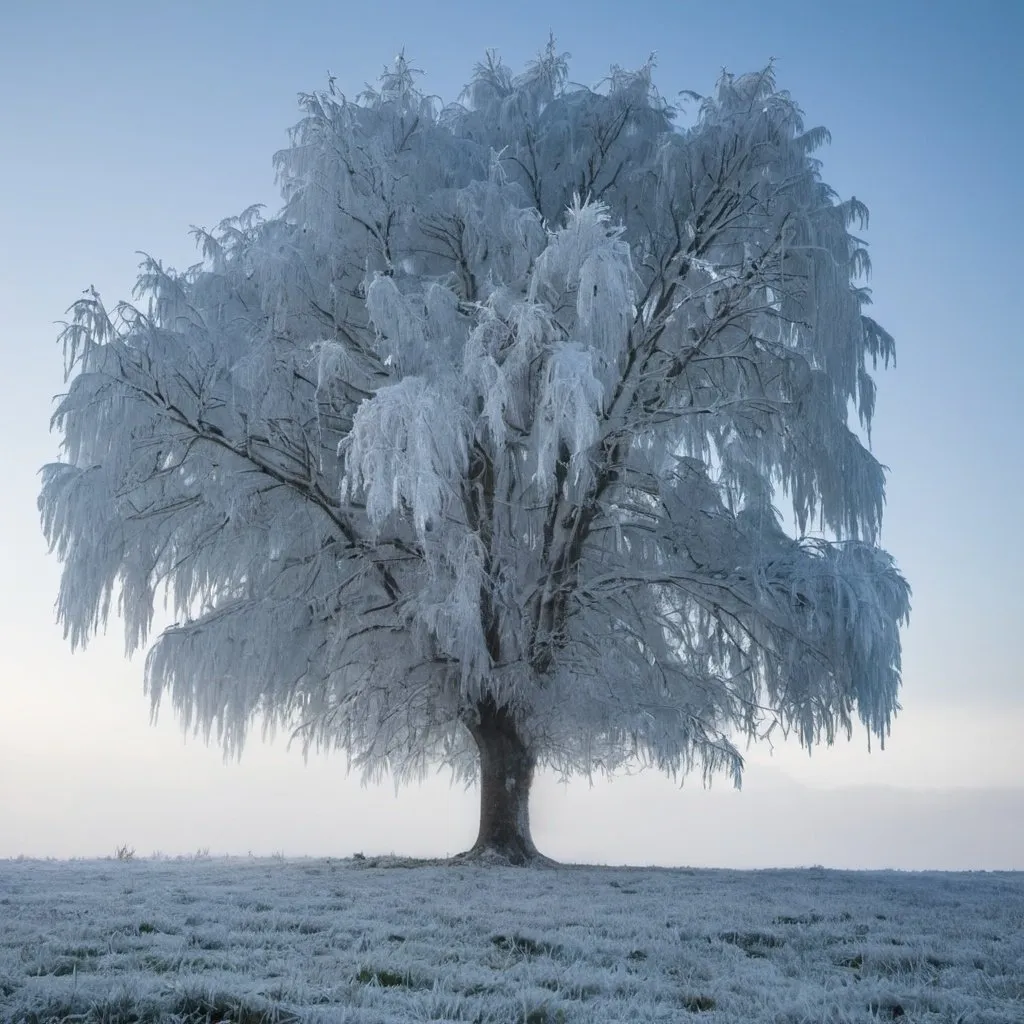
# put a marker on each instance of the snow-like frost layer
(330, 940)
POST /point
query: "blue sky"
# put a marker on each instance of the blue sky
(123, 124)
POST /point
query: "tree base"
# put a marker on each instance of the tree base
(507, 855)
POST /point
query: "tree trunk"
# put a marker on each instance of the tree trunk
(506, 774)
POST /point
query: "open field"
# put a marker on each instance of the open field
(382, 940)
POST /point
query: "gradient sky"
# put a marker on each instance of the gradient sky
(124, 124)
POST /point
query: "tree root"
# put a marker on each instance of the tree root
(491, 856)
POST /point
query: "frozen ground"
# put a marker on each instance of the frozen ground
(379, 940)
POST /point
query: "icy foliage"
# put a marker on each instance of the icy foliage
(499, 408)
(359, 942)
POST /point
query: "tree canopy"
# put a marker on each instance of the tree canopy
(474, 453)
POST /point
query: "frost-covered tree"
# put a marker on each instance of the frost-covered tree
(470, 455)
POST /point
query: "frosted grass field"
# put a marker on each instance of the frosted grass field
(378, 940)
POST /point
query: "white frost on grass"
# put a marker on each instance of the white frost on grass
(390, 940)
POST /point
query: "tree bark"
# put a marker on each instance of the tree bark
(506, 775)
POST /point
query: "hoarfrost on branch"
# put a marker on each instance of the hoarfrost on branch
(495, 415)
